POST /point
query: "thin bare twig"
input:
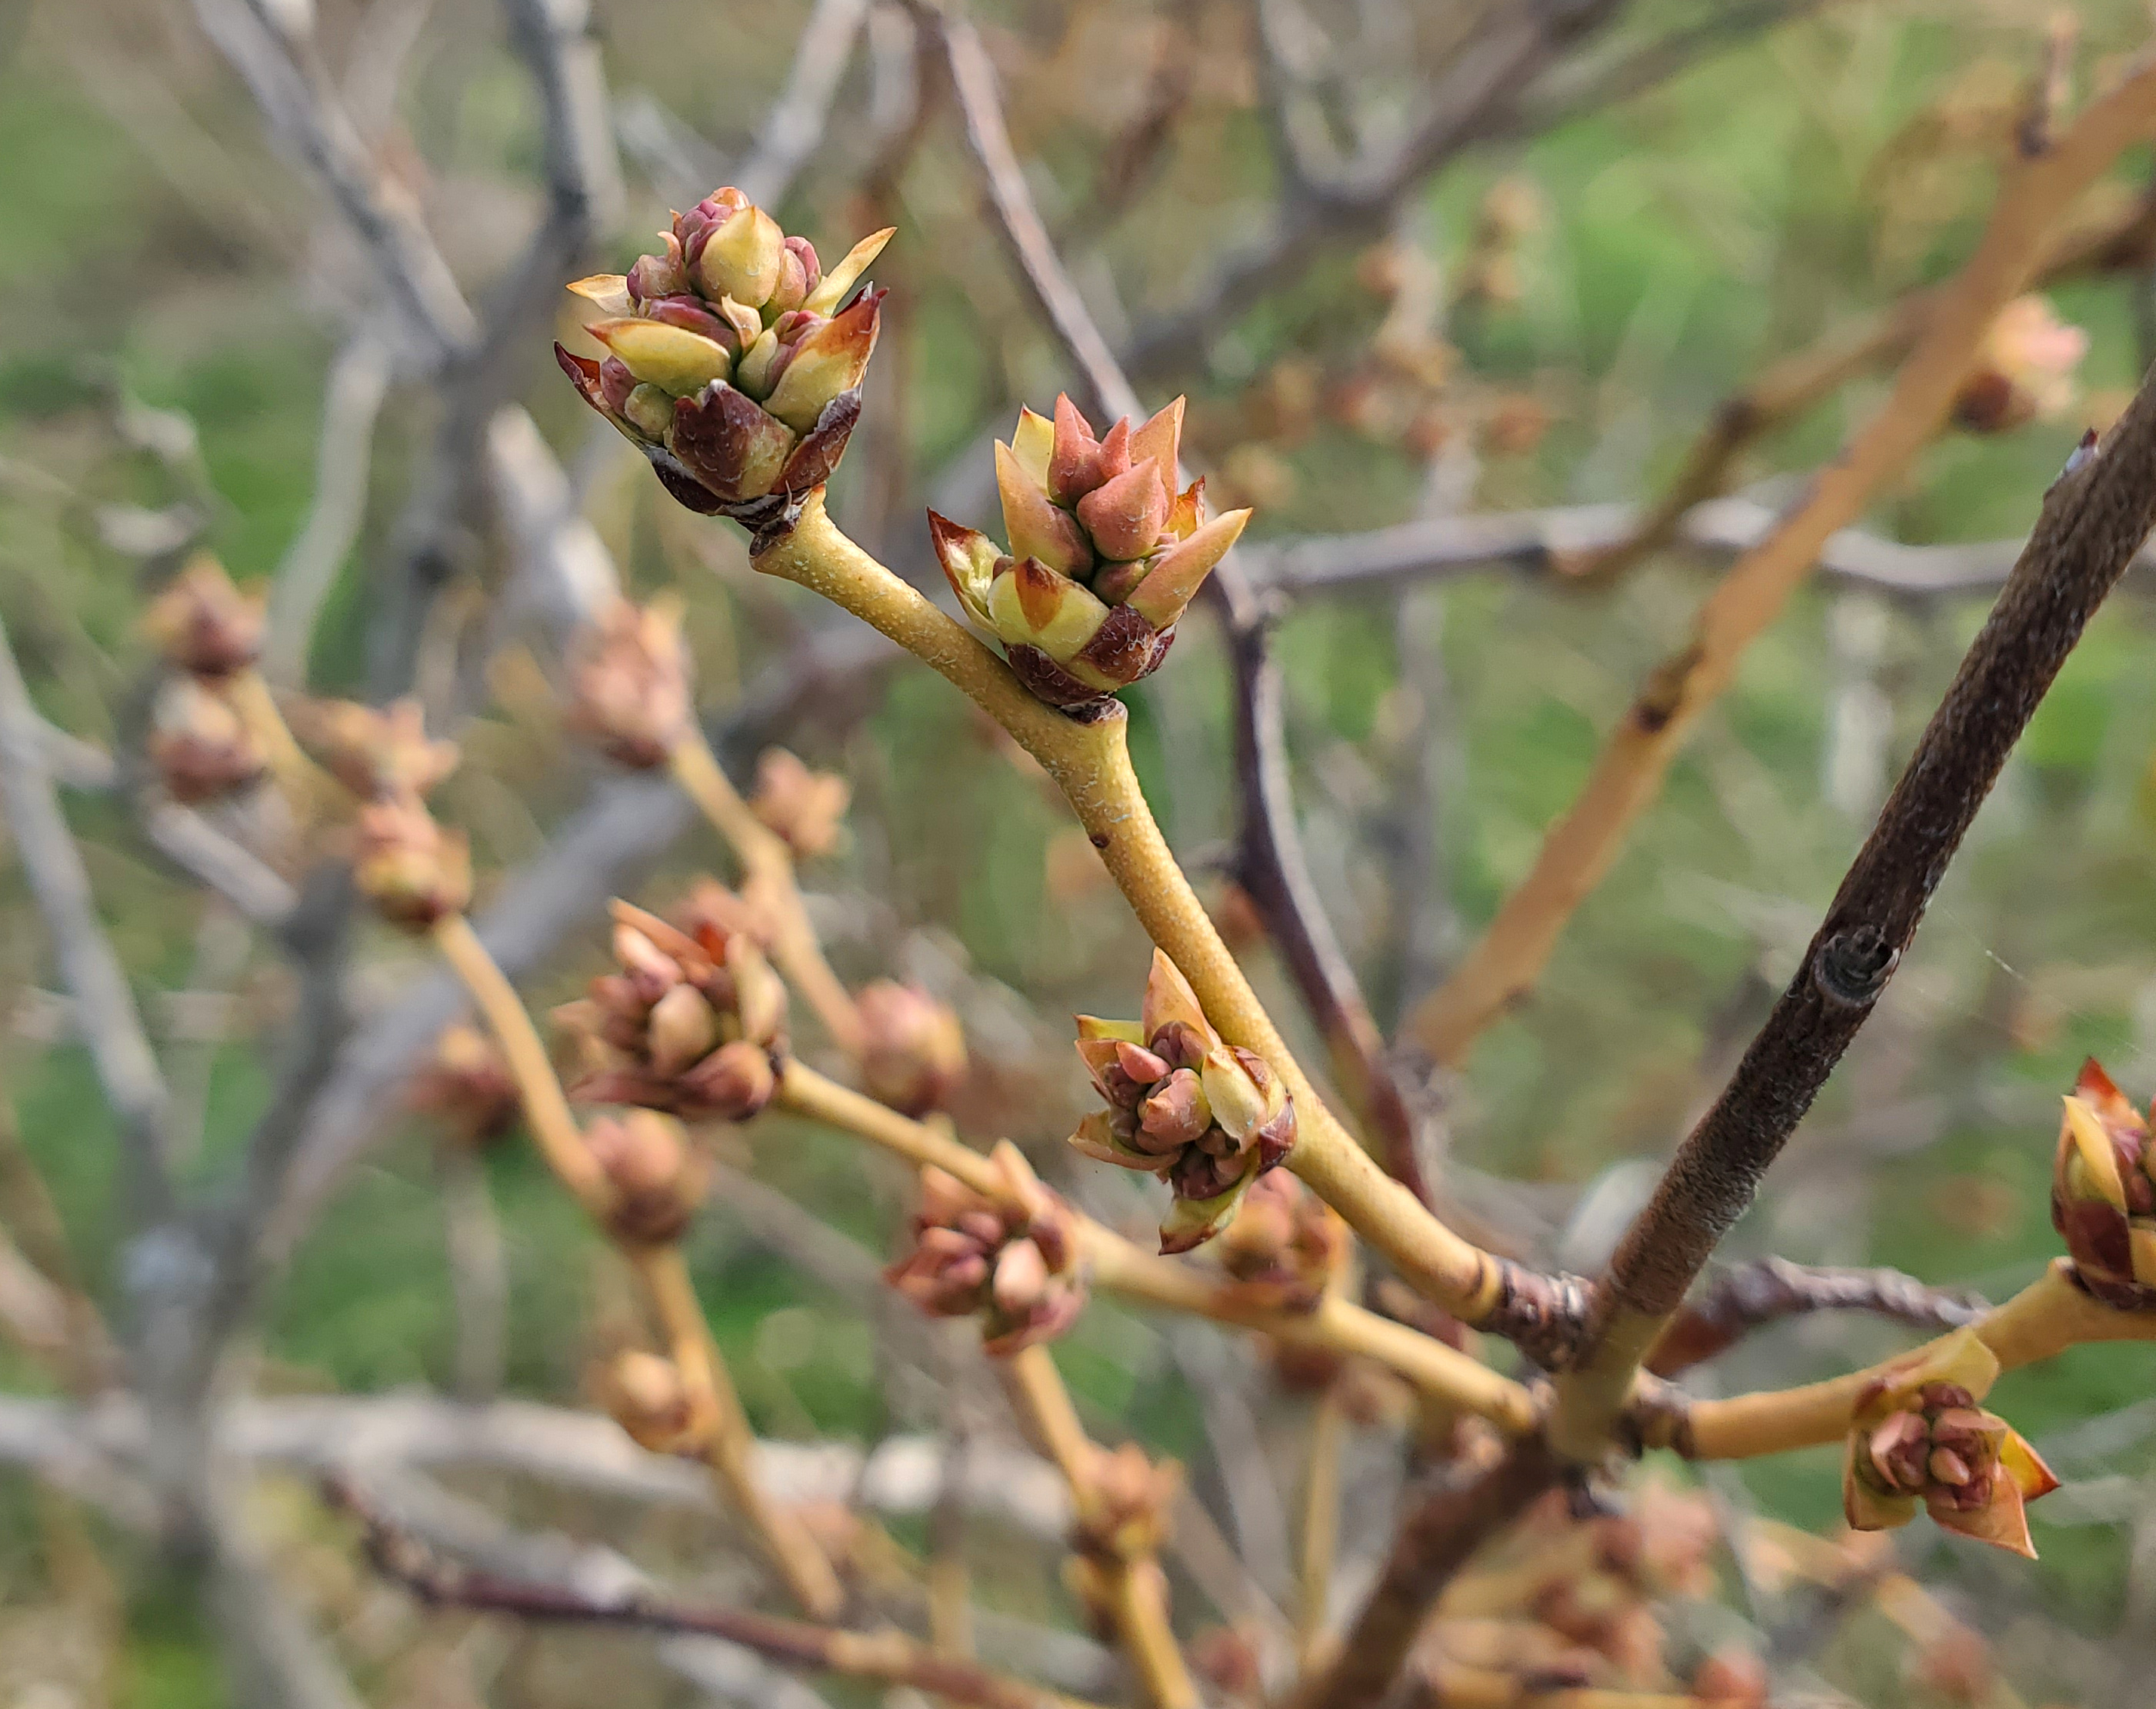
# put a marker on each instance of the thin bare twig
(888, 1657)
(1749, 1296)
(111, 1026)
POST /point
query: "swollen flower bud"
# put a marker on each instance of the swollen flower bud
(691, 1023)
(1206, 1116)
(414, 872)
(1123, 1503)
(199, 746)
(913, 1051)
(2024, 371)
(372, 752)
(655, 1178)
(1917, 1438)
(734, 362)
(645, 1395)
(466, 1086)
(203, 624)
(1105, 554)
(2103, 1191)
(1011, 1258)
(629, 677)
(1284, 1244)
(805, 807)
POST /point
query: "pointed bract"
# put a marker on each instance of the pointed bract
(832, 289)
(678, 362)
(1124, 515)
(1178, 573)
(826, 362)
(742, 258)
(1036, 527)
(1161, 438)
(1033, 444)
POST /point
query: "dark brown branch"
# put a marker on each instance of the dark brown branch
(888, 1657)
(1433, 1543)
(1271, 866)
(2094, 519)
(1749, 1296)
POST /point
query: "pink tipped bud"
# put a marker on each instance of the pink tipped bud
(655, 1178)
(1073, 460)
(201, 623)
(1176, 574)
(1037, 528)
(1175, 1114)
(1124, 515)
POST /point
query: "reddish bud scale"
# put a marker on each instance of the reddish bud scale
(1011, 1259)
(765, 386)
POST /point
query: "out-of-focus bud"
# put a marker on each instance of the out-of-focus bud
(692, 1024)
(1665, 1543)
(1955, 1666)
(805, 807)
(1105, 554)
(1012, 1258)
(1491, 272)
(913, 1050)
(1207, 1116)
(1227, 1659)
(711, 911)
(1732, 1678)
(2103, 1191)
(2025, 370)
(1284, 1244)
(203, 624)
(199, 746)
(655, 1178)
(372, 752)
(647, 1397)
(630, 683)
(1123, 1503)
(413, 870)
(734, 362)
(1515, 425)
(1919, 1438)
(467, 1087)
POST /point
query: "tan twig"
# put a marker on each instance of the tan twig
(1139, 1603)
(1090, 763)
(1118, 1267)
(885, 1657)
(1579, 849)
(730, 1444)
(767, 869)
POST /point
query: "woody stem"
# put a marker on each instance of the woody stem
(767, 871)
(1090, 763)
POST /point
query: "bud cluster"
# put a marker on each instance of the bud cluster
(207, 631)
(1207, 1116)
(1120, 1519)
(913, 1050)
(734, 360)
(466, 1086)
(655, 1177)
(645, 1395)
(2103, 1191)
(376, 752)
(1283, 1245)
(1918, 1438)
(803, 808)
(1012, 1258)
(692, 1023)
(1105, 554)
(630, 683)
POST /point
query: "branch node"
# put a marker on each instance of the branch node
(1853, 965)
